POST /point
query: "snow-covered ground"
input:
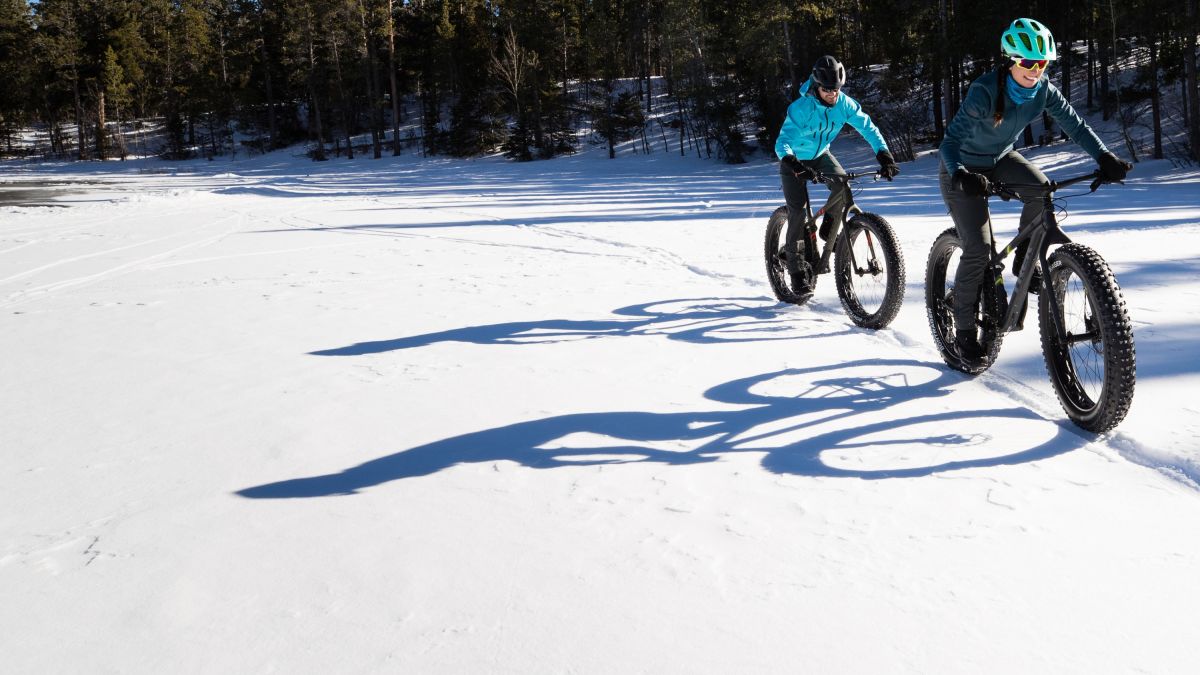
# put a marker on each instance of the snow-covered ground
(455, 416)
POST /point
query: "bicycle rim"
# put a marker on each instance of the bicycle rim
(1093, 371)
(870, 272)
(791, 284)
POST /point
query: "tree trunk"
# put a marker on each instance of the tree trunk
(939, 124)
(1105, 54)
(539, 132)
(392, 80)
(1065, 56)
(101, 135)
(1193, 87)
(1187, 119)
(1112, 18)
(345, 107)
(791, 61)
(372, 82)
(314, 113)
(80, 128)
(950, 84)
(1091, 74)
(649, 74)
(1155, 99)
(272, 131)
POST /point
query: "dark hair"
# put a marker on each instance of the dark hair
(1001, 81)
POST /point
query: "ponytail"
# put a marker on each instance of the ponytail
(1001, 81)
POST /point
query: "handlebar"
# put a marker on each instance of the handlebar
(845, 178)
(1008, 189)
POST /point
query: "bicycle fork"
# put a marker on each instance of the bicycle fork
(1041, 233)
(835, 229)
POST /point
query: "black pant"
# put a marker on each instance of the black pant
(795, 191)
(973, 221)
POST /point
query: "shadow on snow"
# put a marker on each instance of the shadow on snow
(779, 426)
(703, 321)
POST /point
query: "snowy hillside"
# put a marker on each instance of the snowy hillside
(475, 416)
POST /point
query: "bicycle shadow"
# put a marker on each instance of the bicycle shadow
(781, 426)
(698, 320)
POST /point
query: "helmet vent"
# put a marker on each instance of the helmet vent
(1025, 40)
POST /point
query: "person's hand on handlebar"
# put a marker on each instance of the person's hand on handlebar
(887, 165)
(802, 172)
(974, 184)
(1113, 168)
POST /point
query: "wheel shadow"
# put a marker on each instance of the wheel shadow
(698, 320)
(797, 419)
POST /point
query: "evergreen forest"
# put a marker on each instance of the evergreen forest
(93, 79)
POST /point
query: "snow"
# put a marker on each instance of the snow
(431, 415)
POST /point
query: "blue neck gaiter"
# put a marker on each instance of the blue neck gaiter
(1019, 94)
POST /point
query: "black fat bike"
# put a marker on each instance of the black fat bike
(1087, 338)
(868, 266)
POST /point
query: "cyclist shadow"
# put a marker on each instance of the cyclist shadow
(781, 426)
(700, 320)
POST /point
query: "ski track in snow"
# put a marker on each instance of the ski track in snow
(666, 258)
(18, 297)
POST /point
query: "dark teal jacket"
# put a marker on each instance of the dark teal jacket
(974, 141)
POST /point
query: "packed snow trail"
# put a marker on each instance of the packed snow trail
(447, 416)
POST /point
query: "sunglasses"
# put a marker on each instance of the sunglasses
(823, 90)
(1032, 64)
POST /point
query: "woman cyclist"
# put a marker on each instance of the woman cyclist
(978, 148)
(812, 122)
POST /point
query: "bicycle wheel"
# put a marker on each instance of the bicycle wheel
(792, 283)
(940, 270)
(869, 271)
(1095, 370)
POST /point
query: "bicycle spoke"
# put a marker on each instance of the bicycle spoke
(870, 281)
(1083, 338)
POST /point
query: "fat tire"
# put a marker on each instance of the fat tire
(777, 272)
(940, 313)
(893, 295)
(1116, 340)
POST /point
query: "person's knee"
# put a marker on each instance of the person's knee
(974, 256)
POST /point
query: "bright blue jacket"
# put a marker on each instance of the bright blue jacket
(811, 125)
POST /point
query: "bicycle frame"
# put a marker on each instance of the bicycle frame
(1042, 233)
(810, 220)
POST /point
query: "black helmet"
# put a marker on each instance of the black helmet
(829, 73)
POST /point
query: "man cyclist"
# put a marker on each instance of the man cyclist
(813, 121)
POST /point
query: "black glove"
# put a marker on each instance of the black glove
(802, 172)
(974, 184)
(887, 164)
(1113, 168)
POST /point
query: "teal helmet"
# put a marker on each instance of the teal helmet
(1028, 39)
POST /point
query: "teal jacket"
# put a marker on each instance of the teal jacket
(974, 141)
(810, 125)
